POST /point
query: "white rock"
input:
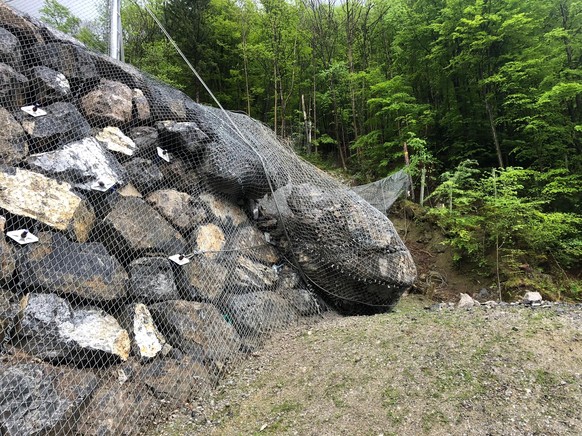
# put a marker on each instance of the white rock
(147, 337)
(532, 298)
(29, 194)
(466, 302)
(114, 139)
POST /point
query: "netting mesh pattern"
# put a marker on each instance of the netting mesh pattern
(150, 242)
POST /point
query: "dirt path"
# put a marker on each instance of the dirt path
(502, 371)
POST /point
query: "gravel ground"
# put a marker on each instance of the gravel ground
(423, 369)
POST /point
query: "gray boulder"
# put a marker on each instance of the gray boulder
(144, 174)
(81, 163)
(20, 24)
(10, 49)
(258, 313)
(108, 104)
(26, 195)
(146, 140)
(8, 313)
(252, 242)
(198, 329)
(13, 141)
(127, 231)
(55, 264)
(203, 279)
(151, 279)
(112, 69)
(184, 135)
(345, 246)
(13, 87)
(168, 103)
(39, 399)
(48, 85)
(62, 124)
(141, 106)
(50, 329)
(252, 276)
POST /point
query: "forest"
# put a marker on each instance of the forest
(484, 95)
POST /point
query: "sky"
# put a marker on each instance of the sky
(84, 9)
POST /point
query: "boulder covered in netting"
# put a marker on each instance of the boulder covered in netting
(150, 242)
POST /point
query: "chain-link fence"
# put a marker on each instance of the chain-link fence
(150, 242)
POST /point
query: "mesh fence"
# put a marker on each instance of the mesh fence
(151, 242)
(383, 193)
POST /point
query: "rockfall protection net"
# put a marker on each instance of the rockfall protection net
(147, 245)
(384, 192)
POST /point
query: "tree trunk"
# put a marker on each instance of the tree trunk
(494, 133)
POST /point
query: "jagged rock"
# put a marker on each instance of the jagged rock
(81, 163)
(52, 203)
(127, 231)
(253, 276)
(258, 313)
(114, 140)
(55, 264)
(141, 105)
(252, 243)
(109, 103)
(208, 239)
(7, 262)
(13, 86)
(69, 59)
(117, 410)
(532, 298)
(179, 380)
(146, 140)
(13, 142)
(302, 300)
(40, 399)
(197, 329)
(202, 279)
(178, 208)
(183, 175)
(144, 174)
(50, 329)
(151, 279)
(146, 339)
(289, 278)
(168, 103)
(184, 135)
(48, 85)
(10, 49)
(466, 302)
(346, 246)
(223, 211)
(20, 25)
(62, 124)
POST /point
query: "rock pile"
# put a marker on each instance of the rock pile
(116, 177)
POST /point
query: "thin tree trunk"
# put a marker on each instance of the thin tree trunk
(494, 133)
(306, 125)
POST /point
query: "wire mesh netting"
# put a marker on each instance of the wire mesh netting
(151, 242)
(384, 192)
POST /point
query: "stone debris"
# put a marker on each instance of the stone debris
(532, 298)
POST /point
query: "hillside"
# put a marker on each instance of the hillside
(502, 370)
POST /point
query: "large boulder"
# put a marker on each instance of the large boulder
(251, 276)
(198, 329)
(55, 264)
(39, 399)
(62, 124)
(128, 232)
(20, 25)
(32, 195)
(252, 242)
(151, 279)
(109, 103)
(144, 174)
(13, 140)
(13, 87)
(145, 139)
(345, 246)
(50, 329)
(82, 163)
(182, 135)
